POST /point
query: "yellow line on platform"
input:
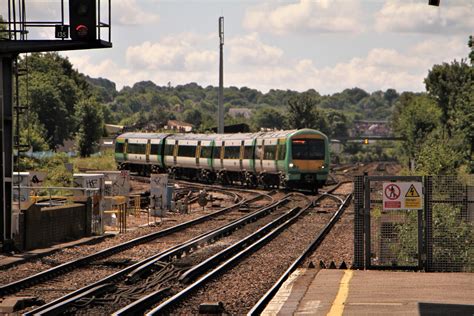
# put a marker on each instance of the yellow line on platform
(337, 307)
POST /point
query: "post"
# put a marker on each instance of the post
(6, 144)
(220, 118)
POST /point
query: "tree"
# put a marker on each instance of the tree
(193, 116)
(91, 126)
(300, 112)
(338, 124)
(444, 83)
(268, 118)
(416, 121)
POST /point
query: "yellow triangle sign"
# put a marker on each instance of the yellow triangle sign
(412, 192)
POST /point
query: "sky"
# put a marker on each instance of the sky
(303, 44)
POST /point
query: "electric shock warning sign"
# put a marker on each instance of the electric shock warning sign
(402, 195)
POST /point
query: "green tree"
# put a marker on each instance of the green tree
(338, 124)
(445, 83)
(193, 116)
(301, 112)
(419, 117)
(267, 117)
(91, 126)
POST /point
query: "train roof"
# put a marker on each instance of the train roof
(143, 135)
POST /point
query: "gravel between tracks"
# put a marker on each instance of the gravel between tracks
(242, 286)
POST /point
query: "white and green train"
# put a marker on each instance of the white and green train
(292, 159)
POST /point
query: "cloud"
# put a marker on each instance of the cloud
(179, 52)
(249, 50)
(181, 59)
(418, 17)
(129, 12)
(321, 16)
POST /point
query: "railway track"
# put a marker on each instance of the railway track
(154, 264)
(155, 280)
(119, 252)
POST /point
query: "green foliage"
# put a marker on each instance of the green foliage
(419, 116)
(301, 112)
(436, 156)
(452, 238)
(268, 117)
(103, 161)
(57, 174)
(91, 127)
(445, 84)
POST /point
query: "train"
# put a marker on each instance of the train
(291, 159)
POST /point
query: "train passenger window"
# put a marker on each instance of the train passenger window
(169, 149)
(308, 149)
(138, 149)
(119, 147)
(186, 151)
(155, 149)
(217, 152)
(206, 151)
(232, 152)
(248, 152)
(282, 152)
(270, 151)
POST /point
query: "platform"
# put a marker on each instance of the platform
(355, 292)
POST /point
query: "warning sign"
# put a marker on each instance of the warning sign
(402, 196)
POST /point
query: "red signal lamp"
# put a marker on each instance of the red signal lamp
(82, 30)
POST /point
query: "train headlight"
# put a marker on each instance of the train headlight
(322, 167)
(291, 165)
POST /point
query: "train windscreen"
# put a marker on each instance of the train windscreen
(307, 149)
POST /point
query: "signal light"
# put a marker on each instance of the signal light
(82, 18)
(366, 141)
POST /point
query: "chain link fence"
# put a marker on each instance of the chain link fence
(438, 238)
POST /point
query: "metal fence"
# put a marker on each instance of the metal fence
(438, 238)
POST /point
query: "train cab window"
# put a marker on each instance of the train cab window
(119, 147)
(169, 149)
(232, 152)
(270, 151)
(308, 149)
(217, 152)
(138, 149)
(206, 152)
(155, 149)
(186, 151)
(282, 152)
(248, 152)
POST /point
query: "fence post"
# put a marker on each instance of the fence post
(368, 245)
(358, 222)
(428, 202)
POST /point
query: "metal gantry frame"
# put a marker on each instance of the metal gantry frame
(14, 40)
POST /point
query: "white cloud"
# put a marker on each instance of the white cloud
(418, 17)
(129, 12)
(181, 59)
(249, 50)
(178, 52)
(322, 16)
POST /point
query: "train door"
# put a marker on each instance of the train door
(198, 153)
(125, 149)
(147, 151)
(175, 153)
(241, 156)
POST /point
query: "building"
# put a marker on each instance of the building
(178, 126)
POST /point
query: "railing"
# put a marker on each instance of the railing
(16, 25)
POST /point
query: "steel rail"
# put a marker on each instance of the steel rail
(265, 299)
(68, 266)
(139, 306)
(61, 304)
(250, 249)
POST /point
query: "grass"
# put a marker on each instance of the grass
(102, 161)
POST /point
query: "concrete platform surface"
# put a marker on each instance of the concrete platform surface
(348, 292)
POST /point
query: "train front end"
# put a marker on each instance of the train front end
(308, 159)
